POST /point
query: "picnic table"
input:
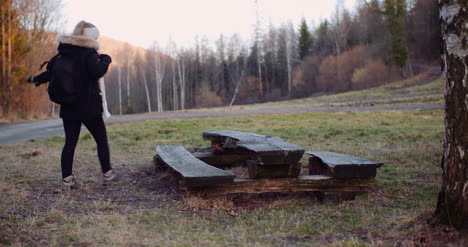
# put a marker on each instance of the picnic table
(273, 166)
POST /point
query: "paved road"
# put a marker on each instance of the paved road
(15, 133)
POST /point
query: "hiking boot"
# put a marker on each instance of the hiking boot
(70, 182)
(109, 176)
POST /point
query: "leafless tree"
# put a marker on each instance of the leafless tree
(182, 79)
(159, 71)
(237, 55)
(145, 82)
(259, 45)
(120, 89)
(290, 41)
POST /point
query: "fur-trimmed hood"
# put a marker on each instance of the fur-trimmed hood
(78, 41)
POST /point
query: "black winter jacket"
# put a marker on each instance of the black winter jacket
(91, 67)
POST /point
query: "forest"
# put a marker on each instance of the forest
(378, 42)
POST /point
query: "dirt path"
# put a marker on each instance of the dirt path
(15, 133)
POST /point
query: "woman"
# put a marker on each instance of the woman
(82, 45)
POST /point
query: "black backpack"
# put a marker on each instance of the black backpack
(64, 88)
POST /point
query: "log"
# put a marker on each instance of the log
(300, 184)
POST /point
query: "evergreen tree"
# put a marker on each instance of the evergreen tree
(305, 40)
(323, 45)
(395, 11)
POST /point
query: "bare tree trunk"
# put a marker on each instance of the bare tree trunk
(181, 71)
(4, 85)
(128, 85)
(259, 49)
(289, 59)
(235, 92)
(120, 90)
(408, 67)
(337, 31)
(174, 87)
(8, 79)
(52, 107)
(159, 69)
(259, 62)
(147, 93)
(240, 76)
(452, 205)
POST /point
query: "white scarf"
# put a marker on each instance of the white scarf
(106, 114)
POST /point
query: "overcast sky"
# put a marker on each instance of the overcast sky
(141, 22)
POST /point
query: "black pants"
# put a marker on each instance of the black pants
(72, 132)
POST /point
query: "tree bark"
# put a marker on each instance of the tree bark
(452, 205)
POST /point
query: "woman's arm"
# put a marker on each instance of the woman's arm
(98, 64)
(44, 76)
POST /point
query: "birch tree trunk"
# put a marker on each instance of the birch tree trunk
(240, 72)
(235, 93)
(289, 44)
(181, 71)
(159, 69)
(147, 92)
(259, 63)
(52, 107)
(128, 85)
(259, 47)
(452, 205)
(120, 90)
(174, 87)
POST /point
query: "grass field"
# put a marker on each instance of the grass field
(144, 207)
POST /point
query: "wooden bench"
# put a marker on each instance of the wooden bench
(341, 165)
(267, 156)
(194, 172)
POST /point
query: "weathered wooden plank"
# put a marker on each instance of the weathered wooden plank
(317, 167)
(222, 160)
(342, 165)
(269, 149)
(273, 171)
(300, 184)
(193, 171)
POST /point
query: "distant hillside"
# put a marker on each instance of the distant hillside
(120, 51)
